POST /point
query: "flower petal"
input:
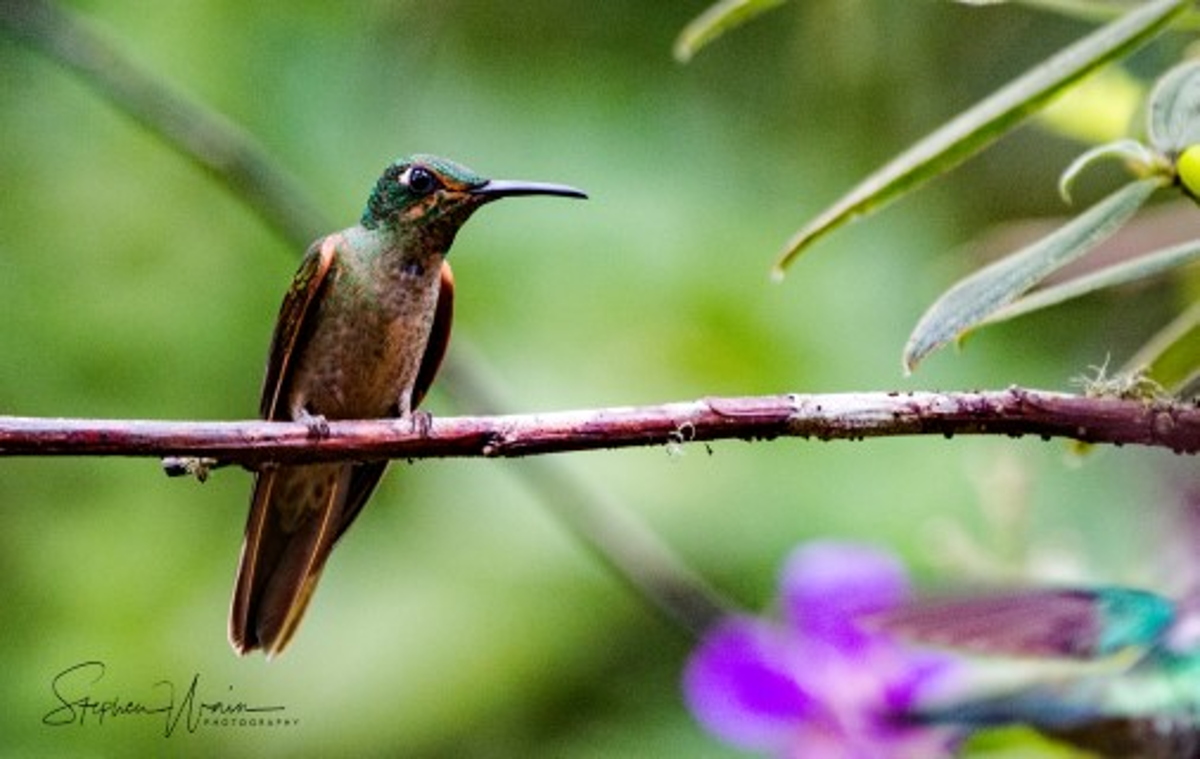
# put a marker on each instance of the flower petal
(737, 686)
(826, 585)
(926, 674)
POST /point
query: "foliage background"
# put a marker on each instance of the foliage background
(458, 618)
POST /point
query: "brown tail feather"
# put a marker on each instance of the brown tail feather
(295, 518)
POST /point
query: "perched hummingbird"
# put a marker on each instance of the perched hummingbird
(360, 335)
(1116, 670)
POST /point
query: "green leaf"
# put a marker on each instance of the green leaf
(1174, 109)
(715, 21)
(1172, 357)
(986, 121)
(1087, 10)
(1142, 159)
(1142, 267)
(980, 295)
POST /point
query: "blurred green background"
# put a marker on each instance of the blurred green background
(458, 618)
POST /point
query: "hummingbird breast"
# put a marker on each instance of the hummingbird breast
(369, 333)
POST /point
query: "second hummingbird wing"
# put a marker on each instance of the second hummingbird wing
(439, 337)
(363, 479)
(1043, 622)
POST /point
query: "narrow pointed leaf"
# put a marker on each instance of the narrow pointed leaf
(1094, 10)
(1172, 357)
(1141, 158)
(1174, 109)
(715, 21)
(1142, 267)
(1085, 10)
(979, 296)
(986, 121)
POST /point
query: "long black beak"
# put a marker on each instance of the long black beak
(507, 188)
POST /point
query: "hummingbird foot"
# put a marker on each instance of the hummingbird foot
(421, 422)
(318, 425)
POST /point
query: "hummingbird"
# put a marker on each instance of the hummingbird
(360, 335)
(1110, 669)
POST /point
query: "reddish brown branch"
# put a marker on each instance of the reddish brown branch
(1012, 412)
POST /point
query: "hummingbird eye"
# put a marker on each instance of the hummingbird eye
(420, 180)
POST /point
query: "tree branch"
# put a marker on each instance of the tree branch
(1012, 412)
(608, 528)
(613, 533)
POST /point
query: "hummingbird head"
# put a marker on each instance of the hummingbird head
(430, 191)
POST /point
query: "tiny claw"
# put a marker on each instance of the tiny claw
(318, 425)
(422, 422)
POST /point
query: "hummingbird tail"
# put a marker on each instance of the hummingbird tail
(296, 515)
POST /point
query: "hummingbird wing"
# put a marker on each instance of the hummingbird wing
(294, 315)
(1047, 622)
(1146, 711)
(439, 337)
(284, 548)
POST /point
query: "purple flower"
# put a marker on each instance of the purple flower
(819, 683)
